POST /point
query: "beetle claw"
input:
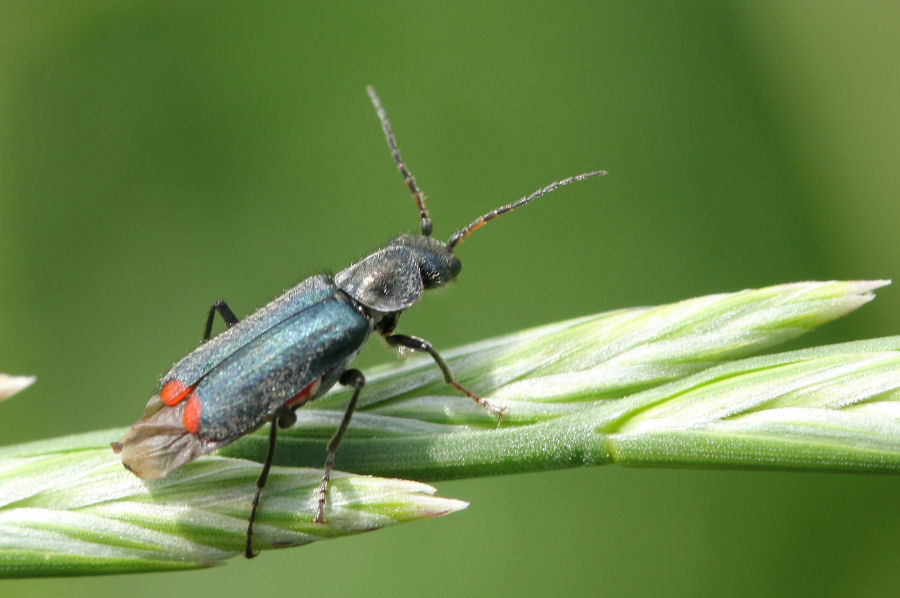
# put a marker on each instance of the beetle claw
(496, 411)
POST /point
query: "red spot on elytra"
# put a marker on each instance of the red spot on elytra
(174, 391)
(191, 417)
(304, 395)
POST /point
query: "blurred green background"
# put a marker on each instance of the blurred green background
(156, 156)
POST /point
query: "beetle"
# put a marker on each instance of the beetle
(294, 349)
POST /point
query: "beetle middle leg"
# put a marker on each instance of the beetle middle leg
(224, 311)
(420, 344)
(355, 379)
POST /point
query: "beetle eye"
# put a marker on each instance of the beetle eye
(440, 269)
(455, 266)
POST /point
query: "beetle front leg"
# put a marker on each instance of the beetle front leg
(224, 311)
(419, 344)
(355, 379)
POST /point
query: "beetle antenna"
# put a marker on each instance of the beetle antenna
(418, 196)
(456, 237)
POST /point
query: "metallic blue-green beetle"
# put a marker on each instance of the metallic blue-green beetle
(291, 351)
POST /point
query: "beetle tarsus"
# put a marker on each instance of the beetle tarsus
(497, 411)
(355, 379)
(415, 343)
(323, 489)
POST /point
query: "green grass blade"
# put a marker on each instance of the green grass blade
(560, 383)
(76, 511)
(833, 408)
(829, 409)
(661, 386)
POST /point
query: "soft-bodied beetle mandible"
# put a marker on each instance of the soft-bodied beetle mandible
(291, 351)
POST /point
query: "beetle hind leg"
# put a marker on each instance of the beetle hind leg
(281, 418)
(355, 379)
(224, 311)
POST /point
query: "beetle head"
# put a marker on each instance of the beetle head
(435, 262)
(394, 277)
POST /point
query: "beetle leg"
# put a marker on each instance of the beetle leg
(224, 311)
(419, 344)
(355, 379)
(264, 474)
